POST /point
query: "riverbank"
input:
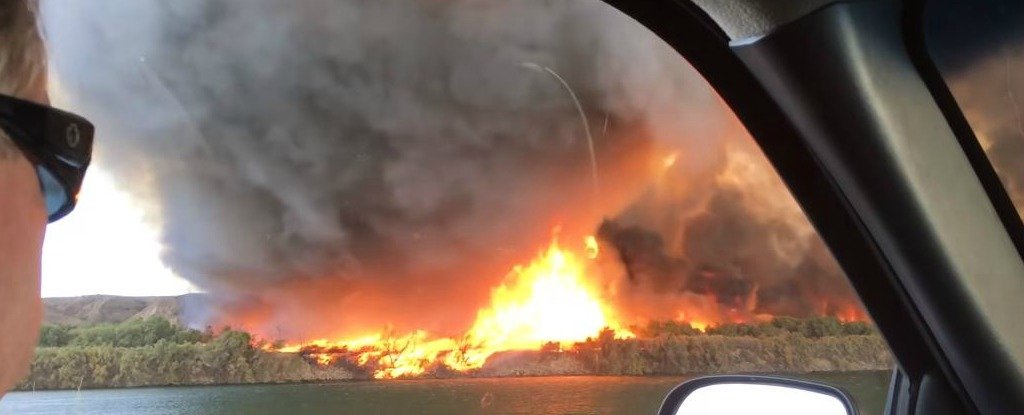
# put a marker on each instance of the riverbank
(153, 352)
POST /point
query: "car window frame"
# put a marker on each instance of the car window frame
(917, 47)
(925, 376)
(701, 42)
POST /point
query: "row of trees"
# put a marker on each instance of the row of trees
(689, 354)
(132, 333)
(154, 352)
(813, 328)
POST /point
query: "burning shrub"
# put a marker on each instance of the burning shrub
(657, 328)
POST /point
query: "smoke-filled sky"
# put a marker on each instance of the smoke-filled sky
(363, 161)
(301, 129)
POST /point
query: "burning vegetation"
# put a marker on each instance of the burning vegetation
(557, 302)
(155, 352)
(550, 301)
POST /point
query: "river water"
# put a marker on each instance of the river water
(532, 396)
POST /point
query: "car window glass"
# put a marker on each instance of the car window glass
(978, 47)
(482, 196)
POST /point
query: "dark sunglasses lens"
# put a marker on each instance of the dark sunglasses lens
(60, 143)
(54, 195)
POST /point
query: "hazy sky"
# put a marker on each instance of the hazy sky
(105, 247)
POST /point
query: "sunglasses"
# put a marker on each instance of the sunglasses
(59, 145)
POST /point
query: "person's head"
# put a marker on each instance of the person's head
(23, 215)
(44, 153)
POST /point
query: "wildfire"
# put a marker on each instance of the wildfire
(699, 325)
(554, 299)
(549, 300)
(851, 313)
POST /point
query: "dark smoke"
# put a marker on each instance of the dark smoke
(727, 251)
(365, 160)
(281, 144)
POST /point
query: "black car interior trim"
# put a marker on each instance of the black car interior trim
(892, 304)
(914, 37)
(862, 107)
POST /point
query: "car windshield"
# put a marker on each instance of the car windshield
(432, 207)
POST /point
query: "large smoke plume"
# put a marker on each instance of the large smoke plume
(367, 162)
(737, 237)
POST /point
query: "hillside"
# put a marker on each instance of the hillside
(94, 309)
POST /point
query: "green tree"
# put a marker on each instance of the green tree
(55, 336)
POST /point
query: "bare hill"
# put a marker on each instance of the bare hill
(95, 309)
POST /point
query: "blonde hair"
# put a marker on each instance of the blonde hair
(22, 57)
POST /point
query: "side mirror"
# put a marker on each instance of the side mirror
(762, 395)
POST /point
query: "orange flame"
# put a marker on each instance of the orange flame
(549, 300)
(554, 299)
(593, 249)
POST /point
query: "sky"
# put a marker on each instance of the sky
(106, 247)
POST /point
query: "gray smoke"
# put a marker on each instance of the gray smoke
(291, 151)
(279, 140)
